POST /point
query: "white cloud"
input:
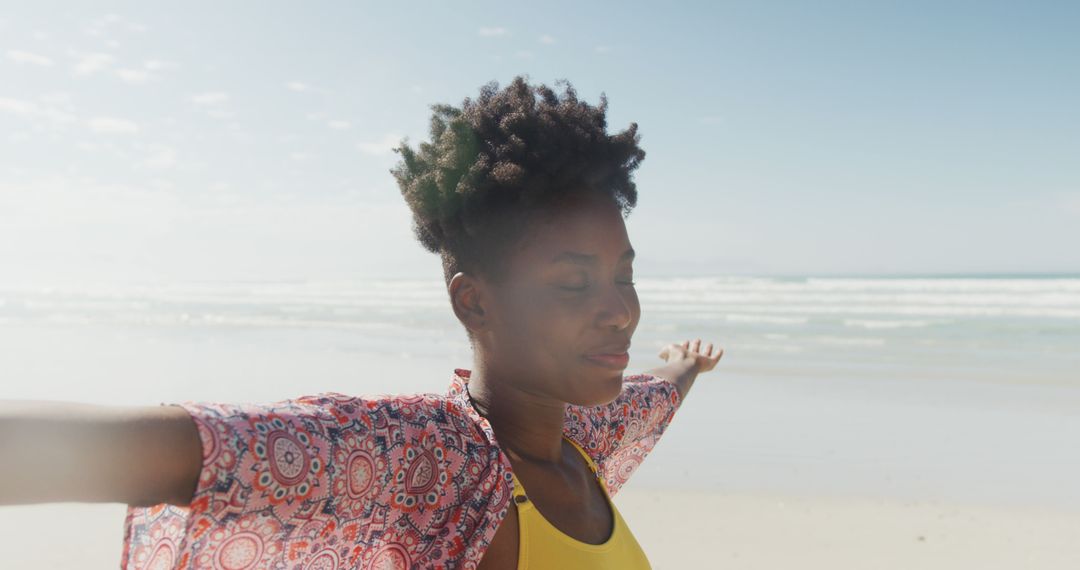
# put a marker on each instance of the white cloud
(339, 125)
(91, 63)
(382, 147)
(602, 49)
(525, 54)
(133, 76)
(492, 32)
(24, 57)
(139, 76)
(210, 98)
(16, 106)
(98, 27)
(34, 111)
(112, 126)
(546, 39)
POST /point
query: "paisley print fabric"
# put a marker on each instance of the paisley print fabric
(382, 482)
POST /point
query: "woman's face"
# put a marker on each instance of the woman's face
(568, 297)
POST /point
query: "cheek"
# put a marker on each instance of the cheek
(537, 320)
(555, 327)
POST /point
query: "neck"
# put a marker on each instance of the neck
(527, 425)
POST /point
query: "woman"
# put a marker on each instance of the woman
(522, 194)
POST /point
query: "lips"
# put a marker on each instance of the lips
(608, 349)
(610, 356)
(615, 361)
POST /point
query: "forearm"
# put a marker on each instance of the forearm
(64, 452)
(681, 373)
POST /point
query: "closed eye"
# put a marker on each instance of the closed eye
(584, 287)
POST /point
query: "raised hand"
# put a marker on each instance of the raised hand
(704, 359)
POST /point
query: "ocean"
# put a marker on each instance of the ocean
(964, 388)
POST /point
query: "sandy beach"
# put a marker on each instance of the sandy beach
(754, 532)
(681, 529)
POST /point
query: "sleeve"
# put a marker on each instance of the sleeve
(326, 481)
(620, 434)
(262, 464)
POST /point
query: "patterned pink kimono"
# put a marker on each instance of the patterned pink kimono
(383, 482)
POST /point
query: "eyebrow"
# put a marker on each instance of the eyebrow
(585, 259)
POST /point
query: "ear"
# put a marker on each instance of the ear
(467, 300)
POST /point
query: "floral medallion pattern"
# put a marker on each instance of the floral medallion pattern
(333, 481)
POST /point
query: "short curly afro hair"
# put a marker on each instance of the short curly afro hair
(497, 162)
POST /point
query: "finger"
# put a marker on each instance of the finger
(708, 349)
(697, 345)
(686, 345)
(719, 353)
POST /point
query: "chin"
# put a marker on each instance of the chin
(607, 389)
(616, 390)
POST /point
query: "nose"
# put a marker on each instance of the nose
(617, 308)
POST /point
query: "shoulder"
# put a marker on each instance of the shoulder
(422, 419)
(645, 393)
(288, 445)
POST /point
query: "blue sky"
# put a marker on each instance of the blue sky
(251, 140)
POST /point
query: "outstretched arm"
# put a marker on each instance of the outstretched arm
(685, 362)
(63, 452)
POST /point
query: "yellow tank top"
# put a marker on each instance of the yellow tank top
(541, 545)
